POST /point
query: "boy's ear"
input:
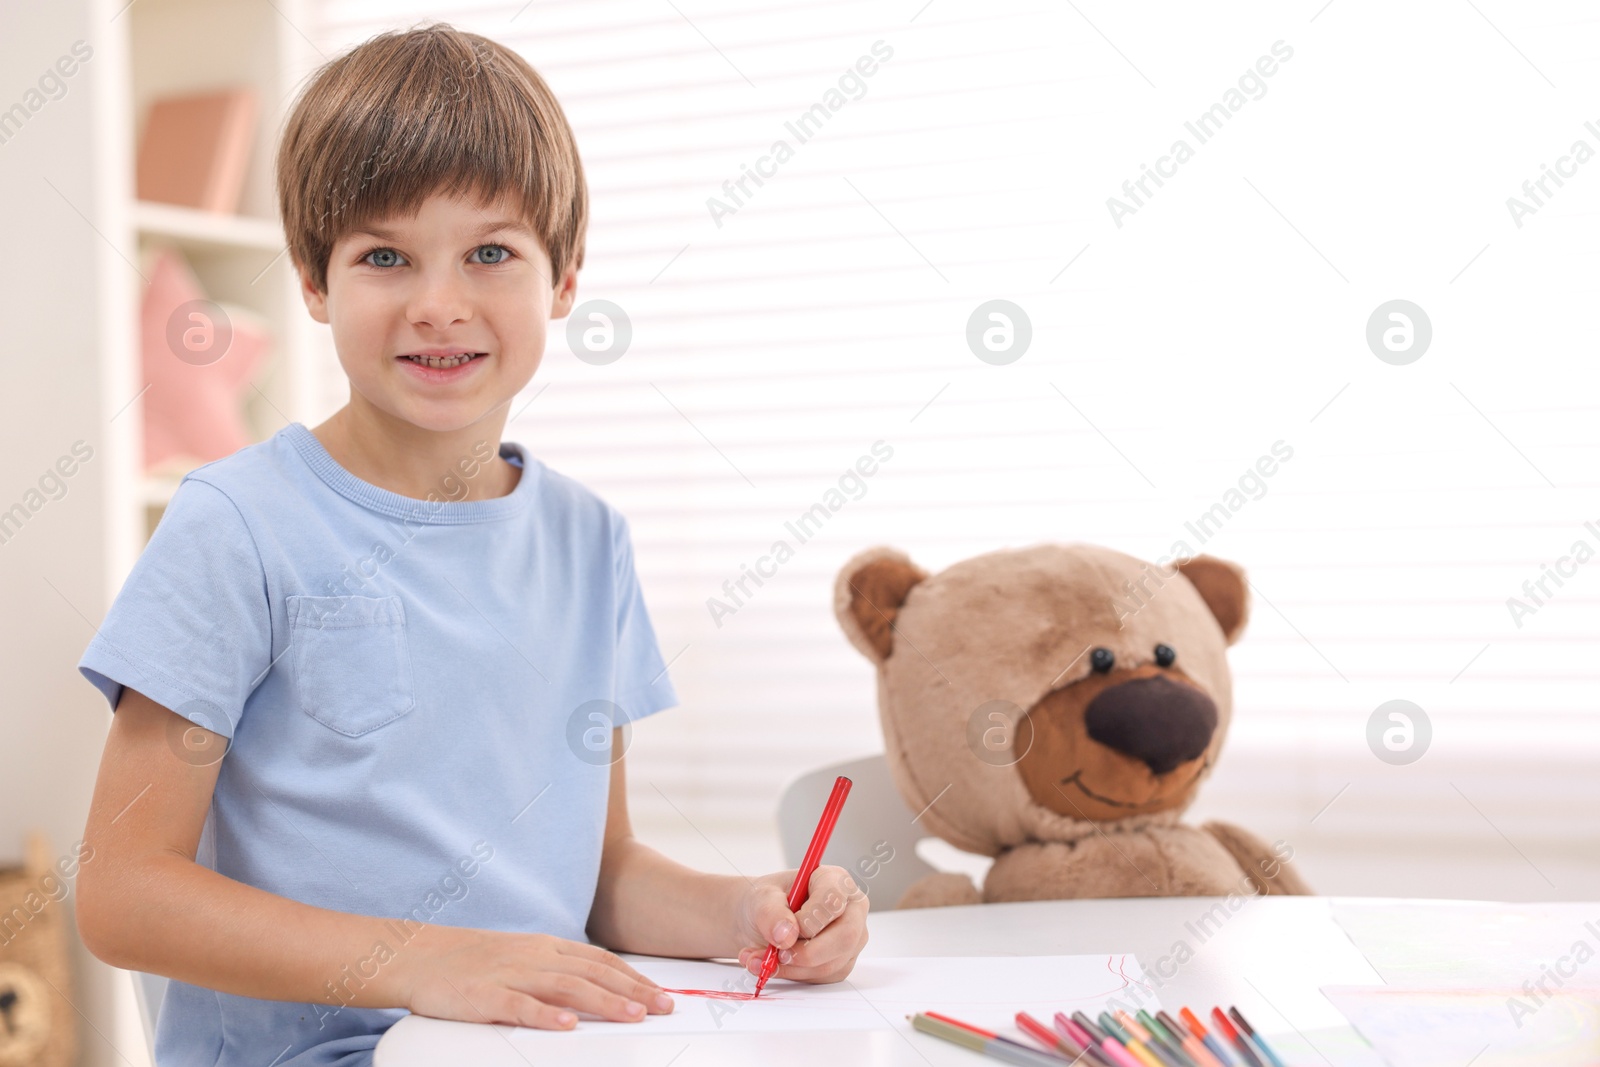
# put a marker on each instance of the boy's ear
(565, 295)
(316, 301)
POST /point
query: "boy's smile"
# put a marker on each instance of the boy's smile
(439, 321)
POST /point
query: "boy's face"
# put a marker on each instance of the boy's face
(462, 276)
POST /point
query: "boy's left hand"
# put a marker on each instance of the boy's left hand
(832, 925)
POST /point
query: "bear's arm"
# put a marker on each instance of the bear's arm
(1267, 871)
(940, 890)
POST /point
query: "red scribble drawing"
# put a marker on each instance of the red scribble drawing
(730, 994)
(1114, 966)
(715, 994)
(1124, 984)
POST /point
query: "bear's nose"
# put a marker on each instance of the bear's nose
(1155, 720)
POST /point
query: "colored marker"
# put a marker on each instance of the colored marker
(1075, 1032)
(1178, 1037)
(1144, 1052)
(1189, 1042)
(1145, 1055)
(1091, 1036)
(1114, 1028)
(1212, 1044)
(1246, 1053)
(1125, 1056)
(801, 888)
(978, 1030)
(1161, 1038)
(1250, 1032)
(984, 1041)
(1152, 1024)
(1152, 1034)
(1094, 1031)
(1054, 1041)
(950, 1020)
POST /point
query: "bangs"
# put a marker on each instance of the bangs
(410, 114)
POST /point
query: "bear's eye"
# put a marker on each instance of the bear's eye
(1165, 655)
(1102, 659)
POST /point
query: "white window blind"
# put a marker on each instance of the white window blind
(777, 337)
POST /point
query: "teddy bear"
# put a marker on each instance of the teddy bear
(1058, 707)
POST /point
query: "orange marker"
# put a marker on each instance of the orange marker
(1212, 1044)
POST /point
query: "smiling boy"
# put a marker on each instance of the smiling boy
(370, 678)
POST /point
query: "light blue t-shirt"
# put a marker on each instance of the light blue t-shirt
(418, 696)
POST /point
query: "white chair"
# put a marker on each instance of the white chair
(874, 821)
(149, 990)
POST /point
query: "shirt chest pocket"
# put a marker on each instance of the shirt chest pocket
(350, 663)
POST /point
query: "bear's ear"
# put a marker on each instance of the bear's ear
(867, 597)
(1223, 587)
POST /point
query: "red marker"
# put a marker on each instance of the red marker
(980, 1031)
(1246, 1053)
(808, 866)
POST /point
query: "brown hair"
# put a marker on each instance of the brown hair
(410, 113)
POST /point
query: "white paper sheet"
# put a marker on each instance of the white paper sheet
(1456, 1025)
(1472, 943)
(881, 993)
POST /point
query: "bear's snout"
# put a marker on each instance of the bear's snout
(1157, 721)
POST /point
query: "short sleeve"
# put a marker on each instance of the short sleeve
(191, 627)
(642, 684)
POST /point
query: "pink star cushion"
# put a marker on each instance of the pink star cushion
(197, 364)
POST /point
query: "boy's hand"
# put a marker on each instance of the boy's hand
(534, 980)
(832, 925)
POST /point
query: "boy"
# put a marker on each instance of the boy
(370, 679)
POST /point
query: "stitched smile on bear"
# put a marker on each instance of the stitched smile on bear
(1118, 742)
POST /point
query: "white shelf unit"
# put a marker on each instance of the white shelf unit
(72, 238)
(181, 46)
(205, 229)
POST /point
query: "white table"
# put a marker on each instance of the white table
(1269, 957)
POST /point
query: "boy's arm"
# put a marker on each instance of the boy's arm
(649, 904)
(145, 904)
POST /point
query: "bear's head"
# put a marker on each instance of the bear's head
(1046, 693)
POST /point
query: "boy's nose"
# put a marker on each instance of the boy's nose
(439, 302)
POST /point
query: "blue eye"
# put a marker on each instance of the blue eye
(496, 255)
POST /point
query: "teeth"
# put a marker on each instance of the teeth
(443, 364)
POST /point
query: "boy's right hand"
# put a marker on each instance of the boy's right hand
(534, 980)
